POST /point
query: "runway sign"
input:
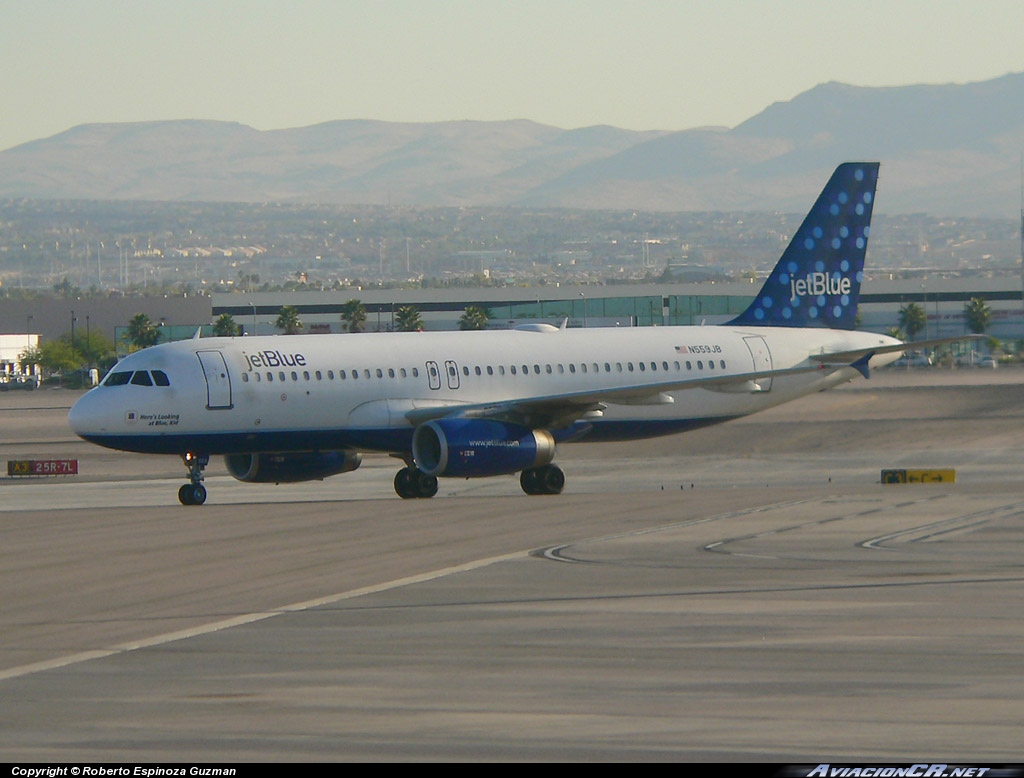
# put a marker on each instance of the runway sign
(947, 476)
(42, 467)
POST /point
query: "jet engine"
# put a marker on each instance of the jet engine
(290, 468)
(471, 448)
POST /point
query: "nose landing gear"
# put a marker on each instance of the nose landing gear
(194, 493)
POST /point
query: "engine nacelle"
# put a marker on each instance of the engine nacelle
(472, 448)
(290, 468)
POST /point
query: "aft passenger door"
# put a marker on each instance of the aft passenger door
(762, 359)
(218, 381)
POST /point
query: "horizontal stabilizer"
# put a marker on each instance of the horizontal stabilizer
(848, 358)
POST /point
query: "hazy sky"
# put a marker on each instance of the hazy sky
(647, 64)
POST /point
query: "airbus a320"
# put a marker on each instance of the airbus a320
(478, 404)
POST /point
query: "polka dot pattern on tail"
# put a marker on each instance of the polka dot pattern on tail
(817, 280)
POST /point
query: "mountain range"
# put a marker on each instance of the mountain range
(947, 150)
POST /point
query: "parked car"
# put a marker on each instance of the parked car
(916, 359)
(989, 362)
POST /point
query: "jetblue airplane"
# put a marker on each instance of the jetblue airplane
(474, 404)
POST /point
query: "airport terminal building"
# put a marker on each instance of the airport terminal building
(32, 321)
(627, 305)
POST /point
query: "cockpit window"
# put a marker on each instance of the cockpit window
(137, 378)
(118, 379)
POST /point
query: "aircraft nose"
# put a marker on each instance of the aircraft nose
(82, 417)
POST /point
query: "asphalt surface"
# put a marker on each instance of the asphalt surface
(749, 592)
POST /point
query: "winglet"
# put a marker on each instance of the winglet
(199, 334)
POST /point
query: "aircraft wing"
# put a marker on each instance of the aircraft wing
(560, 410)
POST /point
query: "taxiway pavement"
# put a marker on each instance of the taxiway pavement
(744, 592)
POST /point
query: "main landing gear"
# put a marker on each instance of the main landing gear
(412, 483)
(548, 479)
(194, 493)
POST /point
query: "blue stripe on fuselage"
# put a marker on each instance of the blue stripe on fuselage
(385, 440)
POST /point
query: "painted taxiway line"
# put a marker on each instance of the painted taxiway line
(250, 618)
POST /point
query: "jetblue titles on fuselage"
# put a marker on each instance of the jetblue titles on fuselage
(274, 358)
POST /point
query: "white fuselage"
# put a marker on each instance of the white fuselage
(332, 392)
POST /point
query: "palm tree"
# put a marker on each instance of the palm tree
(475, 318)
(978, 315)
(912, 319)
(354, 316)
(288, 320)
(408, 319)
(226, 327)
(142, 333)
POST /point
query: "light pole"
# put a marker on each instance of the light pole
(924, 293)
(28, 342)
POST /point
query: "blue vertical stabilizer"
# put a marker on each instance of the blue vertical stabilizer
(817, 281)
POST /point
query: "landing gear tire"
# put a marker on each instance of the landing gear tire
(411, 483)
(403, 483)
(426, 485)
(548, 479)
(530, 481)
(192, 494)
